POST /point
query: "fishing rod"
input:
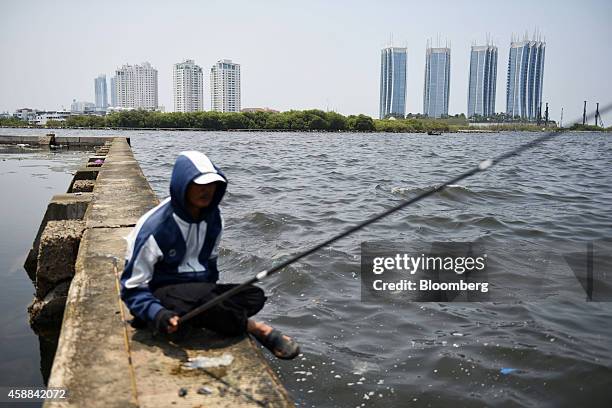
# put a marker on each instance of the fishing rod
(481, 167)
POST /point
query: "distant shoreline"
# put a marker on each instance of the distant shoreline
(462, 130)
(311, 120)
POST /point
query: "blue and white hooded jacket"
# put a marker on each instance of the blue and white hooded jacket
(168, 246)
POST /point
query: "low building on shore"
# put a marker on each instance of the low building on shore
(42, 118)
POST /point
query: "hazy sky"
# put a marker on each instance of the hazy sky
(296, 54)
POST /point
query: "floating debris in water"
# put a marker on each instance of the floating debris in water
(209, 362)
(361, 367)
(182, 392)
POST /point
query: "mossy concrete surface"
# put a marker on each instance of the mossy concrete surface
(83, 186)
(61, 207)
(102, 361)
(57, 254)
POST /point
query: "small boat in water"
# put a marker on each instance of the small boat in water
(434, 132)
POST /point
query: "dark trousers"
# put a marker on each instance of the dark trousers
(228, 318)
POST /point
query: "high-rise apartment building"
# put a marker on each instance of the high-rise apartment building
(113, 90)
(188, 87)
(525, 78)
(393, 82)
(437, 82)
(136, 86)
(482, 81)
(225, 86)
(101, 92)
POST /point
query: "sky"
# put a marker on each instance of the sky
(297, 54)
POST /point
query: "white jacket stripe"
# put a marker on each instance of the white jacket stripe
(144, 264)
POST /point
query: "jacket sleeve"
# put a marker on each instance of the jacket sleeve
(143, 254)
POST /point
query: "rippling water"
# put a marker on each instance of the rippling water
(290, 191)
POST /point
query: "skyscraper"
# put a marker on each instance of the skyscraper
(482, 81)
(392, 81)
(525, 77)
(136, 86)
(188, 87)
(113, 90)
(101, 92)
(437, 82)
(225, 86)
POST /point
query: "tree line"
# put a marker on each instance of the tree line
(306, 120)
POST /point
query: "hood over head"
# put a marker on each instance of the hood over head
(194, 166)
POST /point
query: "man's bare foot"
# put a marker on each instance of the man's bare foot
(279, 344)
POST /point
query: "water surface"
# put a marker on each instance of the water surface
(289, 191)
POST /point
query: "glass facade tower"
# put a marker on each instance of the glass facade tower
(392, 81)
(525, 78)
(437, 82)
(113, 89)
(482, 81)
(101, 92)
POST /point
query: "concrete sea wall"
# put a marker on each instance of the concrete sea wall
(101, 360)
(51, 141)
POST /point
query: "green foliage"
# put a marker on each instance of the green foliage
(307, 120)
(293, 120)
(360, 123)
(336, 122)
(517, 127)
(55, 124)
(13, 122)
(412, 125)
(590, 128)
(87, 121)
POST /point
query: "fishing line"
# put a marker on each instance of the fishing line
(481, 167)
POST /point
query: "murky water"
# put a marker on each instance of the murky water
(28, 180)
(287, 192)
